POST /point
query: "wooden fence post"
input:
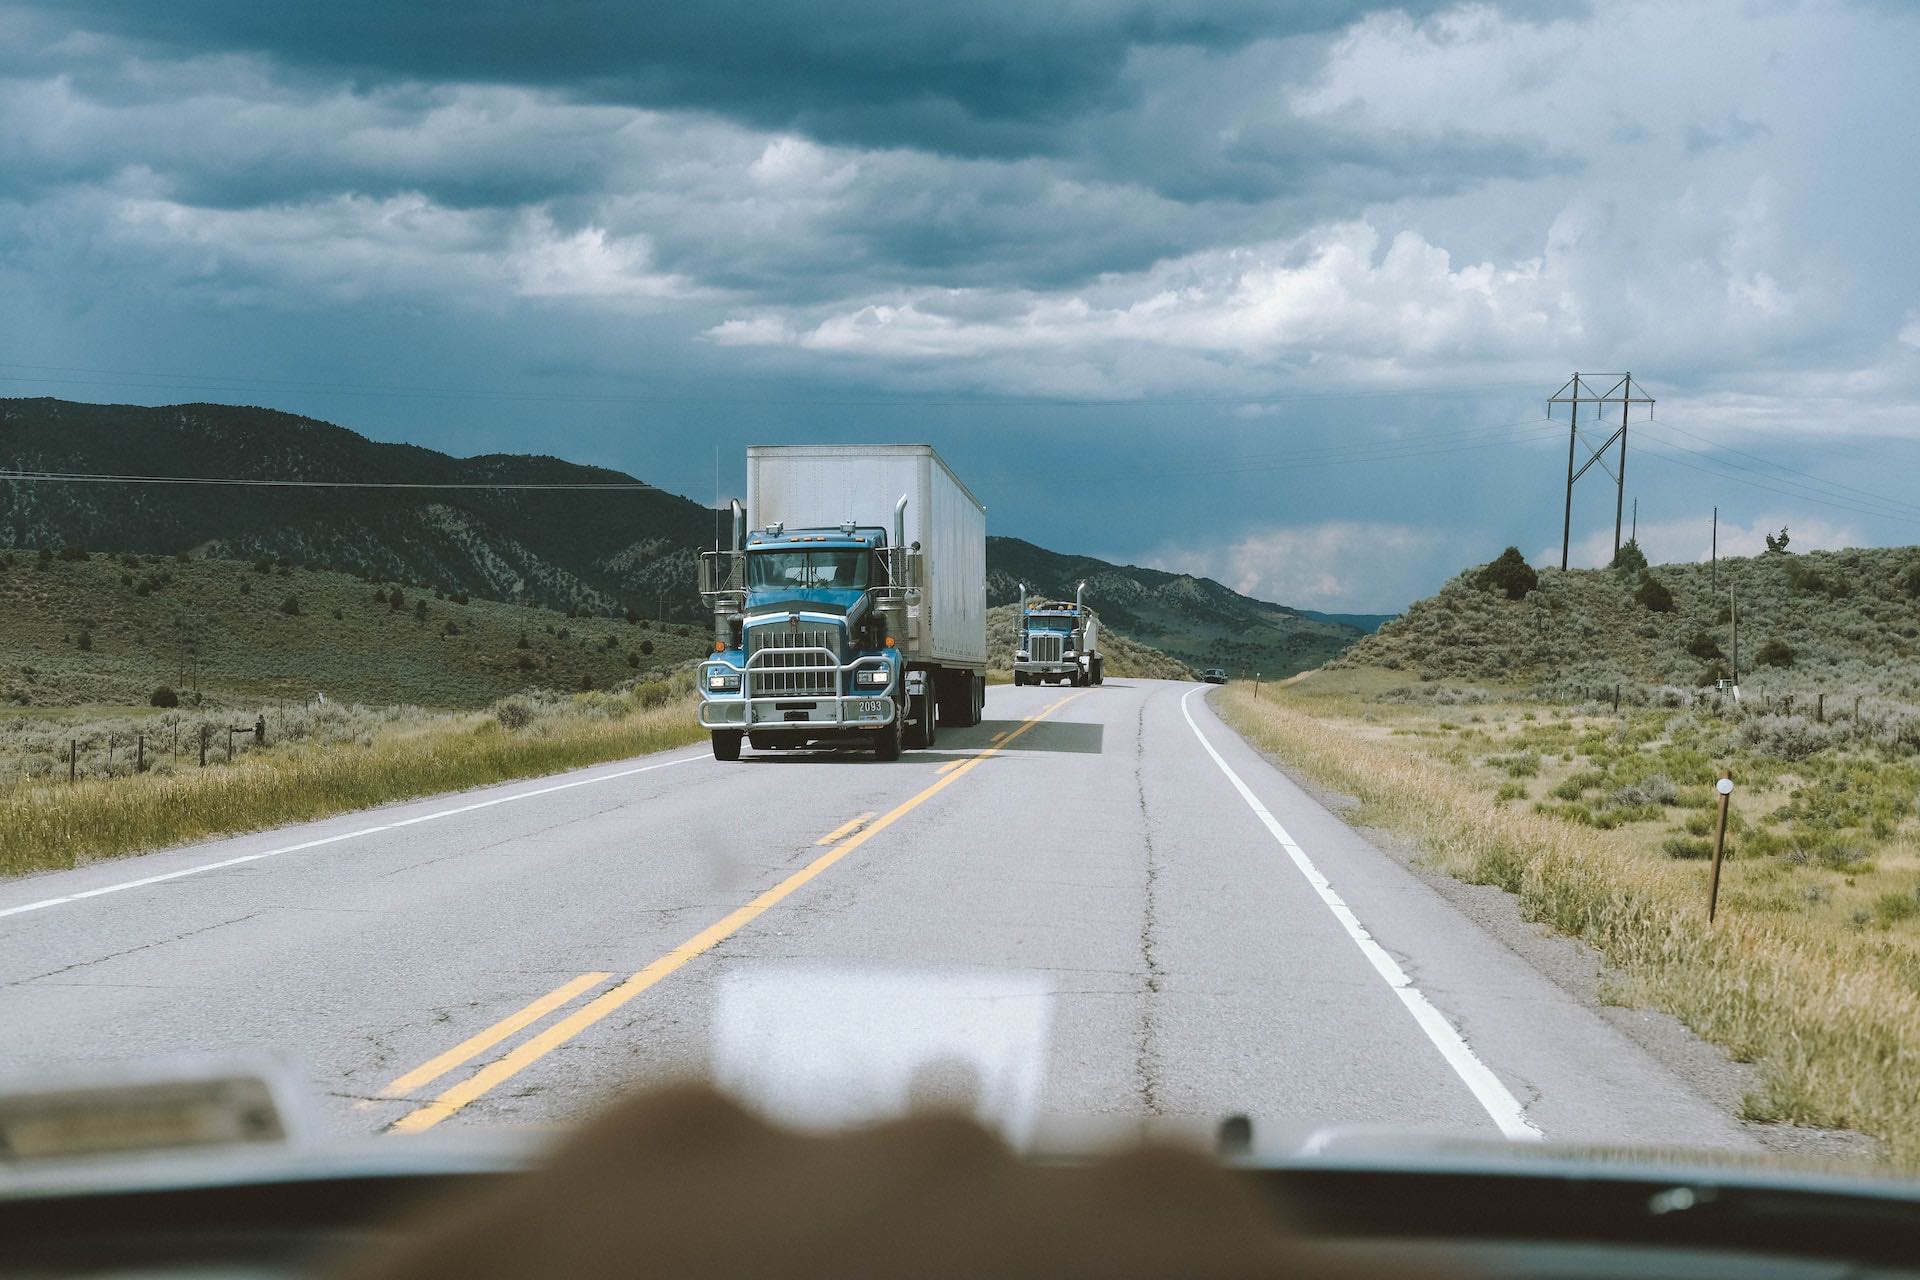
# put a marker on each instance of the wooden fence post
(73, 758)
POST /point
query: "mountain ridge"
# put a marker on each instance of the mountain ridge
(631, 550)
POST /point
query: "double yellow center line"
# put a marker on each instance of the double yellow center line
(530, 1051)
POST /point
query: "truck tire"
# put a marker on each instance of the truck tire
(921, 734)
(979, 699)
(1100, 670)
(726, 744)
(887, 741)
(955, 691)
(1019, 678)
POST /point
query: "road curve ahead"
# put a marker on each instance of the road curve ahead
(1197, 935)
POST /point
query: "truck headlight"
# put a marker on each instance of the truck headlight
(723, 681)
(1019, 655)
(872, 676)
(1068, 655)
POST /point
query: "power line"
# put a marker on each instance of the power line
(80, 477)
(1800, 494)
(179, 382)
(1347, 454)
(1669, 425)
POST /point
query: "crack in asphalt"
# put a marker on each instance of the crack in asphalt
(1146, 1051)
(115, 955)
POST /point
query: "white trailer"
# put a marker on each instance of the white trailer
(825, 486)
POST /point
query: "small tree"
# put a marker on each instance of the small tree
(1777, 546)
(1775, 653)
(646, 647)
(1653, 594)
(1629, 559)
(85, 642)
(1509, 573)
(291, 606)
(420, 609)
(164, 696)
(395, 601)
(1704, 646)
(1911, 582)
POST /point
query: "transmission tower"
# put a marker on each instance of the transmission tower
(1574, 394)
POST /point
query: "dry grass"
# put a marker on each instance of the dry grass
(47, 825)
(1829, 1016)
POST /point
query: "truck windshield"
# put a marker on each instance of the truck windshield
(802, 570)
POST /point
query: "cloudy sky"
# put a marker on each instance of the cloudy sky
(1273, 292)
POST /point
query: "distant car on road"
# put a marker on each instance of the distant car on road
(1214, 675)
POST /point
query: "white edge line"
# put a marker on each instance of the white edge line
(1494, 1097)
(345, 835)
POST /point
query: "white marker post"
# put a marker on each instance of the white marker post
(1725, 788)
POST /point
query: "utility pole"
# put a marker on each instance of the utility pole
(1714, 573)
(1635, 536)
(1733, 615)
(1573, 395)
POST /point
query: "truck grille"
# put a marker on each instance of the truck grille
(1042, 647)
(776, 653)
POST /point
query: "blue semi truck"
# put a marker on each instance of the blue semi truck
(1058, 640)
(851, 605)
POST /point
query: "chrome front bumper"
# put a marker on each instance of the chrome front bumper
(752, 710)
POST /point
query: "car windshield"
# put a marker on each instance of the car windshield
(551, 549)
(794, 570)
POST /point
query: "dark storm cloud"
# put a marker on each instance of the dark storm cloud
(989, 77)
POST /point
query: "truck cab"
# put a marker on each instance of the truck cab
(809, 649)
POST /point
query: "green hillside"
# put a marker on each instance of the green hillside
(1823, 621)
(600, 551)
(1195, 620)
(110, 629)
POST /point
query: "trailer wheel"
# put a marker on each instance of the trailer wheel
(726, 744)
(979, 699)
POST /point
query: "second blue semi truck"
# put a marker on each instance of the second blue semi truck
(1058, 640)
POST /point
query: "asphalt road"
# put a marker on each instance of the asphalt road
(1097, 903)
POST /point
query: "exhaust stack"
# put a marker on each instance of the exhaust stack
(1078, 587)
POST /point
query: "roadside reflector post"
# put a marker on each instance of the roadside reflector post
(1256, 685)
(139, 753)
(73, 758)
(1820, 709)
(1725, 788)
(204, 731)
(229, 744)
